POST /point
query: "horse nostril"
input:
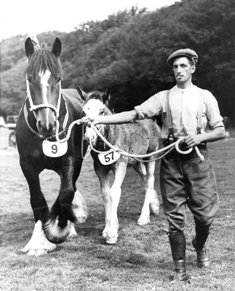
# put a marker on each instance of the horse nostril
(51, 127)
(39, 125)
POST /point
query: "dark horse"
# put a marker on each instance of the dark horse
(47, 107)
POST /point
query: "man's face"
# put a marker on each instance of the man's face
(183, 70)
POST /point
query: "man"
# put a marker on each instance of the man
(187, 111)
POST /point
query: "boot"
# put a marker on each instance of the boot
(203, 259)
(178, 248)
(198, 242)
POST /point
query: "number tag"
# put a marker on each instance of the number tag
(54, 149)
(109, 157)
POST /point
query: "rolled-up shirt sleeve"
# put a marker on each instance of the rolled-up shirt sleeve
(212, 111)
(151, 107)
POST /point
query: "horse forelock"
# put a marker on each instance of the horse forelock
(95, 95)
(42, 60)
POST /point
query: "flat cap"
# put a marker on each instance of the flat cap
(191, 54)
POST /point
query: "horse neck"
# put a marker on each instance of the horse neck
(63, 114)
(109, 131)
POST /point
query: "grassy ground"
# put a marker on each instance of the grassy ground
(141, 258)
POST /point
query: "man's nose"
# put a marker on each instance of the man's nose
(178, 70)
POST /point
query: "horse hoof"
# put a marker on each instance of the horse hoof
(37, 253)
(79, 208)
(143, 221)
(54, 233)
(104, 235)
(154, 209)
(73, 232)
(111, 241)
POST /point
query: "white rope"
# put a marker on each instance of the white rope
(133, 155)
(122, 152)
(78, 121)
(169, 147)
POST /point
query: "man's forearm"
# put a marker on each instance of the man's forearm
(195, 139)
(122, 117)
(214, 135)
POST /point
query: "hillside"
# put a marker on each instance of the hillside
(127, 51)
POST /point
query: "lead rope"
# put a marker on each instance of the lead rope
(169, 147)
(91, 147)
(122, 152)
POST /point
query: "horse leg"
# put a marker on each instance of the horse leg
(79, 206)
(63, 212)
(38, 243)
(112, 202)
(151, 198)
(103, 175)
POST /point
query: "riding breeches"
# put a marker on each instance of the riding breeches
(187, 181)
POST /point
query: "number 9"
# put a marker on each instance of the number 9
(54, 149)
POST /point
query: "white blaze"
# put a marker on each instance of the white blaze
(44, 82)
(93, 107)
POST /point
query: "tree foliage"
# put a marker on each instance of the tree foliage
(127, 52)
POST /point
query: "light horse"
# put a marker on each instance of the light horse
(140, 137)
(46, 108)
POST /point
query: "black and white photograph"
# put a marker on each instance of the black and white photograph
(117, 145)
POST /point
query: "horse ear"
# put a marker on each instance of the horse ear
(106, 96)
(81, 93)
(57, 46)
(29, 47)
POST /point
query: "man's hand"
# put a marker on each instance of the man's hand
(88, 119)
(193, 140)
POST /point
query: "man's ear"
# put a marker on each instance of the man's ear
(193, 69)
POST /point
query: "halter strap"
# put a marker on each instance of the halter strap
(64, 124)
(27, 122)
(43, 105)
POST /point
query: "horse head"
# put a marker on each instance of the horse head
(43, 82)
(95, 104)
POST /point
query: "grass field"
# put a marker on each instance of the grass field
(140, 260)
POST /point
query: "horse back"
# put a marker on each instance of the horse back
(140, 137)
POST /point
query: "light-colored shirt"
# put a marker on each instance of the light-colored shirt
(184, 106)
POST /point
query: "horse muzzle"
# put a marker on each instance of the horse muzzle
(46, 129)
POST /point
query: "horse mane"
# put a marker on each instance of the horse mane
(42, 60)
